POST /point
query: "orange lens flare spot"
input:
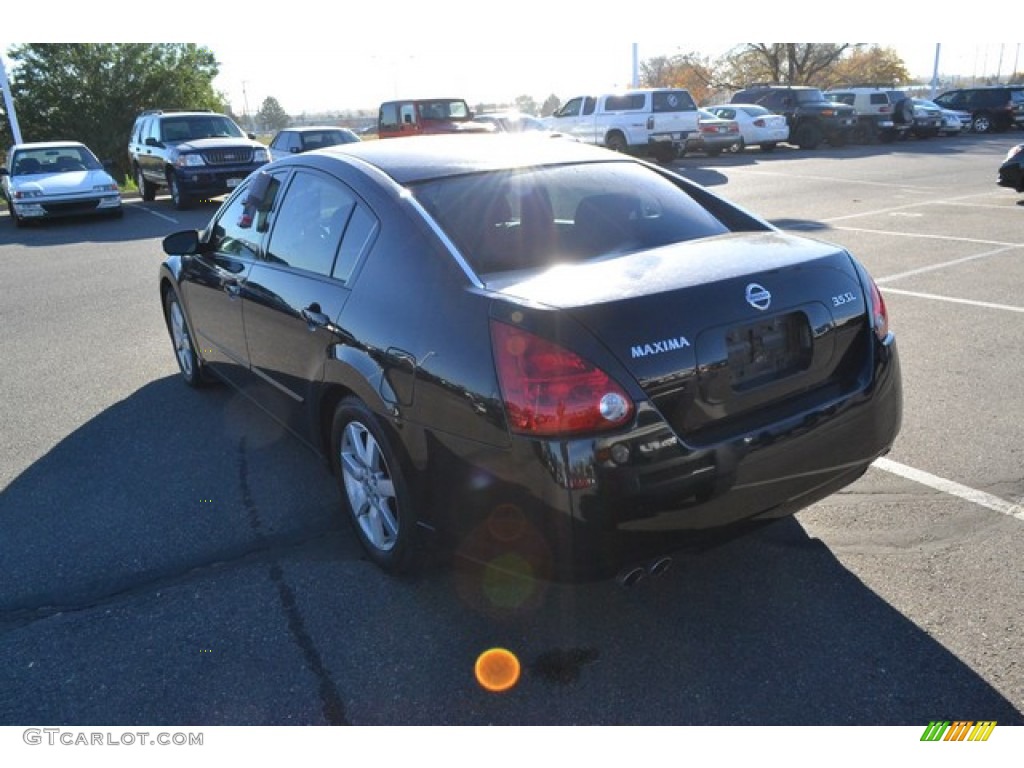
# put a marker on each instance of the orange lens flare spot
(497, 670)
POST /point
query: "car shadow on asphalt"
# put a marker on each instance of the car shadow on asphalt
(151, 488)
(767, 629)
(140, 221)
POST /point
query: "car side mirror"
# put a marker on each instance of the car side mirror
(251, 136)
(4, 171)
(152, 142)
(182, 243)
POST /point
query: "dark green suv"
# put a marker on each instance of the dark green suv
(812, 118)
(193, 154)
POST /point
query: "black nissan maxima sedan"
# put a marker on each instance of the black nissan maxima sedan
(558, 360)
(1011, 172)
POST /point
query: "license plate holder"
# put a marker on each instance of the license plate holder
(768, 349)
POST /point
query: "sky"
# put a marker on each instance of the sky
(349, 57)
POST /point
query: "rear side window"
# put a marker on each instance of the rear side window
(628, 102)
(308, 227)
(536, 218)
(673, 101)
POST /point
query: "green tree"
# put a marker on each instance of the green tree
(551, 103)
(271, 116)
(526, 104)
(92, 92)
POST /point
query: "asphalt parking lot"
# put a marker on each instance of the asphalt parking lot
(171, 557)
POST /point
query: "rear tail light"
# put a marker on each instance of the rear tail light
(549, 390)
(650, 123)
(759, 123)
(879, 314)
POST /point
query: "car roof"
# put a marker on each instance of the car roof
(418, 158)
(46, 145)
(301, 128)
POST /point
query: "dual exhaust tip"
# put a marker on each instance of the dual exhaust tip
(634, 574)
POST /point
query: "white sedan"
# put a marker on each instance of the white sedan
(56, 178)
(758, 126)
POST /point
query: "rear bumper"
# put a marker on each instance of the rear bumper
(583, 509)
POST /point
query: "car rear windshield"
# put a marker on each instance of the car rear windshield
(535, 218)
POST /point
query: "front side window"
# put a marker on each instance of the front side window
(389, 115)
(571, 108)
(233, 233)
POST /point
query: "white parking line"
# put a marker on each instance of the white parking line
(972, 495)
(952, 300)
(927, 236)
(157, 213)
(944, 264)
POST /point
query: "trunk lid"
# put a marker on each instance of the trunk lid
(723, 334)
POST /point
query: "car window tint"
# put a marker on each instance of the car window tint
(672, 101)
(564, 214)
(309, 223)
(571, 108)
(627, 102)
(359, 234)
(233, 233)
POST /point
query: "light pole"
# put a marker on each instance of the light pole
(245, 105)
(9, 103)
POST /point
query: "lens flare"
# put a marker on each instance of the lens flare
(497, 670)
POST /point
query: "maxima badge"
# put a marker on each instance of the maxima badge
(758, 296)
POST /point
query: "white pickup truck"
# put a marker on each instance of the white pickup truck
(643, 121)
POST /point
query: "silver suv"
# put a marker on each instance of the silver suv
(880, 115)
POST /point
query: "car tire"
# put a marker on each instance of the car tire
(982, 123)
(616, 142)
(373, 487)
(146, 188)
(181, 201)
(189, 362)
(665, 154)
(865, 132)
(739, 146)
(808, 136)
(768, 146)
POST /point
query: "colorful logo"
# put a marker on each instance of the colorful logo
(959, 730)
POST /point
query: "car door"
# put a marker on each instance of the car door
(296, 292)
(212, 285)
(150, 158)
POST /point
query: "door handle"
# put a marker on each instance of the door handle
(314, 317)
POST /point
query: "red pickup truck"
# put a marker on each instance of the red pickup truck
(413, 117)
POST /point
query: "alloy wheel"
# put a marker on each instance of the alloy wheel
(369, 486)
